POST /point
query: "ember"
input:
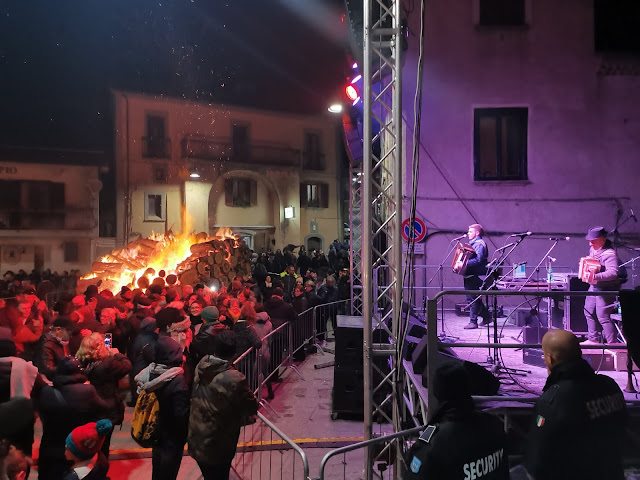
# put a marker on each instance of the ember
(172, 259)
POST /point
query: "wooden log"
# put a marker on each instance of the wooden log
(225, 267)
(211, 258)
(147, 242)
(202, 267)
(150, 272)
(189, 277)
(143, 282)
(200, 247)
(233, 260)
(172, 279)
(218, 258)
(107, 267)
(216, 272)
(202, 237)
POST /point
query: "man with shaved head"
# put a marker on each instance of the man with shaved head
(579, 420)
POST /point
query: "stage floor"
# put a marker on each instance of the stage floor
(533, 379)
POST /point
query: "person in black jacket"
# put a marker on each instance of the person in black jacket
(56, 346)
(142, 352)
(579, 420)
(459, 443)
(476, 266)
(166, 378)
(69, 403)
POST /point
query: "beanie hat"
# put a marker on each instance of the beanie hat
(86, 440)
(277, 292)
(167, 316)
(210, 314)
(451, 383)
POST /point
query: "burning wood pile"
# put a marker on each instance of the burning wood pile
(171, 259)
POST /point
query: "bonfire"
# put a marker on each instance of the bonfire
(176, 259)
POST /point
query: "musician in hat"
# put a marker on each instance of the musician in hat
(476, 266)
(598, 310)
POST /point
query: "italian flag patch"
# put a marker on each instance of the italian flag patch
(540, 421)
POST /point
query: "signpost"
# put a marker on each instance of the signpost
(414, 232)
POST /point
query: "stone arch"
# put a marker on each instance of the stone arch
(314, 241)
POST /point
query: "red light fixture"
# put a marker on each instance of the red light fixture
(351, 92)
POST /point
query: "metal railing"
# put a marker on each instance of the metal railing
(264, 451)
(383, 459)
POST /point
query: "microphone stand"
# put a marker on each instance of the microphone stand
(497, 263)
(440, 271)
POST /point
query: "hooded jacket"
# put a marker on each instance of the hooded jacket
(105, 375)
(220, 403)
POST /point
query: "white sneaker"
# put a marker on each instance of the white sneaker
(590, 342)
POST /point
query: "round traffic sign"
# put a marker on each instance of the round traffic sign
(417, 233)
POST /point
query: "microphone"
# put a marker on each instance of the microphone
(551, 258)
(458, 238)
(524, 234)
(559, 239)
(633, 215)
(505, 247)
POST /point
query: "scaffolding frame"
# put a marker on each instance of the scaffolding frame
(376, 221)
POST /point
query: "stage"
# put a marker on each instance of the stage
(518, 389)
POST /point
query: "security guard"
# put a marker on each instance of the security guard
(578, 429)
(459, 443)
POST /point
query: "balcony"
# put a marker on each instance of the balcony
(156, 147)
(67, 219)
(312, 160)
(205, 148)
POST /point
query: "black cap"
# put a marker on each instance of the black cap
(596, 232)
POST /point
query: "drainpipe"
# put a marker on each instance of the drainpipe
(126, 221)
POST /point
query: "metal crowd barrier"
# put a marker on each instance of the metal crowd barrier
(384, 457)
(266, 452)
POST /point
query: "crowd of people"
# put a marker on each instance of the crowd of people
(68, 364)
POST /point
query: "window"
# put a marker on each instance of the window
(160, 173)
(240, 141)
(155, 207)
(500, 143)
(70, 251)
(314, 195)
(616, 26)
(240, 192)
(312, 156)
(156, 144)
(502, 12)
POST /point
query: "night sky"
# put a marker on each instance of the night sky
(59, 59)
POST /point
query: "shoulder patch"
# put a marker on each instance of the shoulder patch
(415, 464)
(428, 433)
(550, 394)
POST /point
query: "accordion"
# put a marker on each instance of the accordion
(463, 253)
(587, 266)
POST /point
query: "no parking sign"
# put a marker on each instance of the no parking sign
(417, 233)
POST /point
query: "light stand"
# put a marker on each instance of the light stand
(440, 272)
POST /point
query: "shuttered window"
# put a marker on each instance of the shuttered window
(314, 195)
(240, 192)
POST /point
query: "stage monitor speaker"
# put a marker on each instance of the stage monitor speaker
(419, 356)
(533, 334)
(349, 352)
(630, 305)
(483, 382)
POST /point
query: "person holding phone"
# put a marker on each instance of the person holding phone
(104, 367)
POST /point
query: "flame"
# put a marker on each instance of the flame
(161, 252)
(225, 232)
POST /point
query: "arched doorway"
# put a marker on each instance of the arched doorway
(314, 242)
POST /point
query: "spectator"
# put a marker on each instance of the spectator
(28, 334)
(166, 378)
(459, 442)
(56, 346)
(288, 281)
(280, 313)
(576, 411)
(14, 464)
(84, 448)
(246, 336)
(328, 293)
(221, 403)
(263, 329)
(203, 341)
(300, 302)
(141, 353)
(69, 403)
(105, 367)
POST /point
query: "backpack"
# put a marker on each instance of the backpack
(144, 425)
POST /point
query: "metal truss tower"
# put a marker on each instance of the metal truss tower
(376, 220)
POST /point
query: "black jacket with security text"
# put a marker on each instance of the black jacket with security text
(578, 414)
(466, 445)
